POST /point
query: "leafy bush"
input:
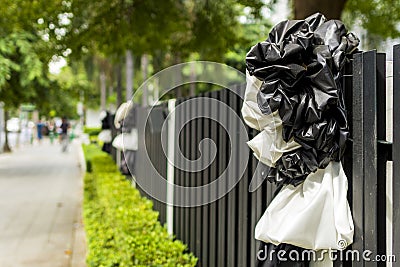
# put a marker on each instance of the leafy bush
(91, 151)
(92, 131)
(121, 227)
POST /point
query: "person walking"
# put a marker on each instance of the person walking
(39, 128)
(65, 125)
(52, 131)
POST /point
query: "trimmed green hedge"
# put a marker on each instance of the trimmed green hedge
(91, 151)
(121, 227)
(92, 131)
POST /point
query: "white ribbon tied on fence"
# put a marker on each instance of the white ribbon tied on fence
(105, 136)
(268, 146)
(314, 215)
(126, 141)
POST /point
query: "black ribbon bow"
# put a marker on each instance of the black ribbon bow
(301, 65)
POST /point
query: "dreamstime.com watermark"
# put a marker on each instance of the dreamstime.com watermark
(351, 255)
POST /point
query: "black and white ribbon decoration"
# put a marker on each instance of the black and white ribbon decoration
(294, 97)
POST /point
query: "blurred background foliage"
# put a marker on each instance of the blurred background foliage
(108, 47)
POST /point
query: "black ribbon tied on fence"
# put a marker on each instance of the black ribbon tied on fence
(301, 65)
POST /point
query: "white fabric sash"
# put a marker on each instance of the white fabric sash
(268, 146)
(314, 215)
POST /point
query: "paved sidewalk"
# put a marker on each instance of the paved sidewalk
(40, 207)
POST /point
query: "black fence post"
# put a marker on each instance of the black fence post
(192, 177)
(213, 235)
(205, 124)
(232, 219)
(198, 177)
(382, 155)
(255, 215)
(177, 174)
(186, 176)
(357, 181)
(223, 143)
(396, 152)
(365, 155)
(243, 211)
(347, 160)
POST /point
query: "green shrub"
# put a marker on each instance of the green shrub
(92, 131)
(91, 151)
(121, 227)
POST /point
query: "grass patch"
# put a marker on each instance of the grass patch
(121, 227)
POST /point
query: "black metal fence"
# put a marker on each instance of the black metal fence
(221, 233)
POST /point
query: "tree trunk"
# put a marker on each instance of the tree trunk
(178, 76)
(129, 75)
(103, 90)
(6, 147)
(156, 90)
(192, 89)
(332, 9)
(119, 84)
(145, 64)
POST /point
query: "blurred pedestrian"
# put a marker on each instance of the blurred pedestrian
(64, 133)
(51, 126)
(39, 128)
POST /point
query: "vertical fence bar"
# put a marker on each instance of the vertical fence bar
(223, 142)
(396, 152)
(140, 160)
(186, 174)
(189, 180)
(370, 153)
(213, 176)
(151, 133)
(162, 162)
(365, 154)
(192, 176)
(198, 177)
(347, 160)
(243, 207)
(177, 210)
(381, 154)
(256, 212)
(176, 226)
(170, 166)
(205, 179)
(231, 221)
(181, 172)
(358, 153)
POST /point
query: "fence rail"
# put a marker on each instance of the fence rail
(221, 233)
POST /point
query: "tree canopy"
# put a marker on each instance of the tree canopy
(96, 35)
(379, 17)
(20, 68)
